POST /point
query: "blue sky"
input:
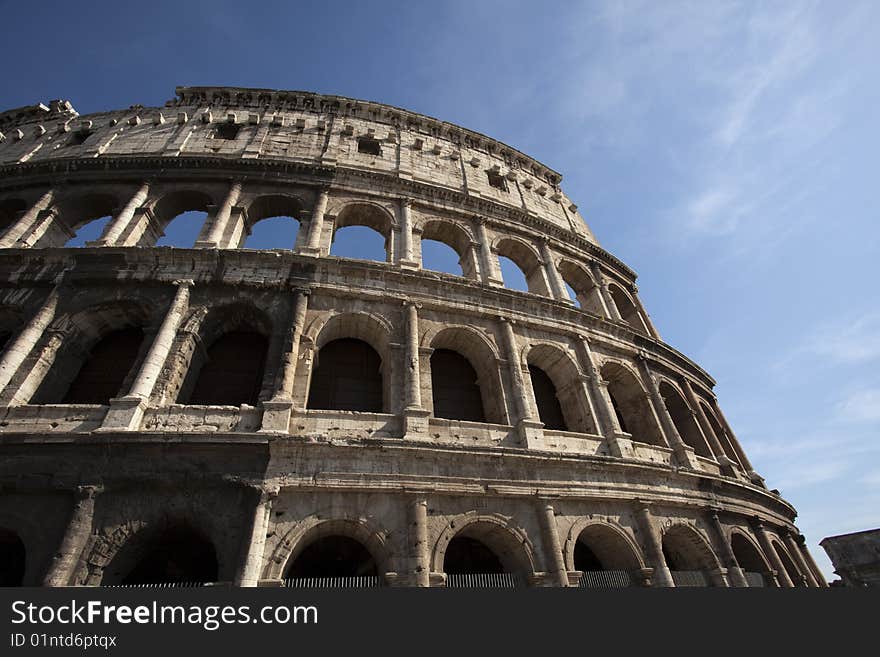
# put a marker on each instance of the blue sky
(724, 150)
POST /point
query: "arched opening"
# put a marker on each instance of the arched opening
(605, 558)
(525, 262)
(333, 556)
(441, 257)
(630, 404)
(10, 210)
(466, 555)
(362, 231)
(794, 574)
(273, 222)
(688, 557)
(446, 247)
(10, 321)
(273, 233)
(88, 213)
(88, 232)
(749, 559)
(232, 373)
(684, 420)
(549, 408)
(178, 554)
(627, 309)
(347, 376)
(485, 554)
(12, 558)
(106, 368)
(581, 288)
(456, 389)
(180, 217)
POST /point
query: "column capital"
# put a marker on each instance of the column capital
(183, 282)
(405, 201)
(88, 492)
(409, 303)
(480, 220)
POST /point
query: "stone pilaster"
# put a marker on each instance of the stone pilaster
(415, 417)
(530, 430)
(278, 410)
(316, 225)
(799, 560)
(22, 345)
(489, 263)
(817, 573)
(251, 566)
(120, 224)
(734, 443)
(652, 546)
(557, 286)
(26, 222)
(406, 260)
(125, 413)
(684, 454)
(604, 292)
(420, 547)
(220, 220)
(771, 553)
(728, 467)
(734, 571)
(552, 545)
(76, 536)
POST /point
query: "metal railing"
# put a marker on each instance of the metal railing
(755, 579)
(685, 578)
(159, 585)
(483, 581)
(362, 582)
(605, 579)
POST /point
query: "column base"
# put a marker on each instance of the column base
(270, 583)
(276, 416)
(736, 578)
(719, 577)
(685, 456)
(409, 264)
(620, 445)
(756, 479)
(202, 244)
(662, 577)
(125, 414)
(729, 468)
(415, 423)
(643, 577)
(531, 434)
(312, 252)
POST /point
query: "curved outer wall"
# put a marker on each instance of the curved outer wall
(646, 471)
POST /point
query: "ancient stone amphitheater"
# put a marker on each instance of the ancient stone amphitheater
(228, 415)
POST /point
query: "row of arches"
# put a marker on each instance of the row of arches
(186, 218)
(229, 355)
(179, 553)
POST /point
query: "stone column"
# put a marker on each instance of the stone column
(221, 218)
(798, 557)
(278, 410)
(734, 571)
(406, 259)
(772, 555)
(530, 430)
(684, 454)
(557, 286)
(728, 467)
(421, 549)
(619, 442)
(491, 270)
(415, 417)
(22, 345)
(653, 546)
(250, 568)
(552, 546)
(817, 574)
(126, 412)
(26, 222)
(77, 534)
(605, 294)
(646, 318)
(118, 226)
(316, 225)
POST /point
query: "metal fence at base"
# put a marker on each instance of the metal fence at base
(755, 579)
(159, 585)
(363, 582)
(606, 579)
(483, 581)
(684, 578)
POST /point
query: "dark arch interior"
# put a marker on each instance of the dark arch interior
(684, 420)
(617, 412)
(456, 391)
(793, 573)
(177, 555)
(12, 558)
(233, 373)
(468, 556)
(333, 556)
(747, 555)
(549, 408)
(102, 374)
(347, 377)
(585, 559)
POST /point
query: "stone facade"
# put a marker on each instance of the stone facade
(856, 557)
(639, 481)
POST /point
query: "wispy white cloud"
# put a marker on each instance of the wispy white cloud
(850, 340)
(861, 406)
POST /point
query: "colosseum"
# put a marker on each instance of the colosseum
(226, 415)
